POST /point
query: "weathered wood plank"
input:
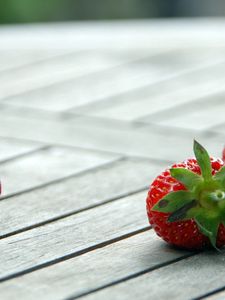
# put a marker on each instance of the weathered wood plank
(74, 194)
(74, 92)
(149, 141)
(219, 128)
(203, 114)
(127, 34)
(48, 165)
(216, 296)
(75, 233)
(10, 59)
(11, 148)
(186, 279)
(93, 270)
(150, 100)
(53, 71)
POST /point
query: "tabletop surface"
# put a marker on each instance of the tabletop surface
(91, 113)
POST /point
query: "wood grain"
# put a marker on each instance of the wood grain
(148, 141)
(72, 234)
(186, 279)
(51, 72)
(184, 88)
(107, 182)
(217, 296)
(218, 128)
(11, 148)
(47, 165)
(11, 59)
(197, 113)
(93, 270)
(73, 91)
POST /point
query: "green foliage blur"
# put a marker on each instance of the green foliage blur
(23, 11)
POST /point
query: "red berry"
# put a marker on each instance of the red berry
(189, 232)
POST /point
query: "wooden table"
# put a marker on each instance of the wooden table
(90, 114)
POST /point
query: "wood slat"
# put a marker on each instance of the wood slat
(152, 100)
(122, 34)
(219, 128)
(186, 279)
(93, 270)
(12, 59)
(74, 92)
(52, 71)
(98, 186)
(11, 148)
(203, 114)
(149, 141)
(71, 235)
(47, 165)
(216, 296)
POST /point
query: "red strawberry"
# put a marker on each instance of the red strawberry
(186, 204)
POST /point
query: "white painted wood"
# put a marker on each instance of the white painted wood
(74, 233)
(149, 141)
(11, 148)
(47, 165)
(95, 187)
(92, 270)
(216, 296)
(147, 102)
(186, 279)
(53, 71)
(125, 34)
(73, 92)
(219, 128)
(11, 59)
(203, 114)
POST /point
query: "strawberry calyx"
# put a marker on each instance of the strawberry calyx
(203, 198)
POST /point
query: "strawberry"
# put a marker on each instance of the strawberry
(186, 203)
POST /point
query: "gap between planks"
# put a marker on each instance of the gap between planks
(130, 277)
(136, 176)
(40, 60)
(88, 106)
(80, 170)
(75, 254)
(212, 293)
(25, 154)
(74, 235)
(88, 74)
(123, 261)
(58, 180)
(74, 212)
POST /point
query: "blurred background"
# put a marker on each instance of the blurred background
(23, 11)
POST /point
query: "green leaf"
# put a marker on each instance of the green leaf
(183, 212)
(188, 178)
(203, 160)
(208, 226)
(220, 176)
(173, 201)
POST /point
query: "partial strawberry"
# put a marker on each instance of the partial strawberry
(186, 204)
